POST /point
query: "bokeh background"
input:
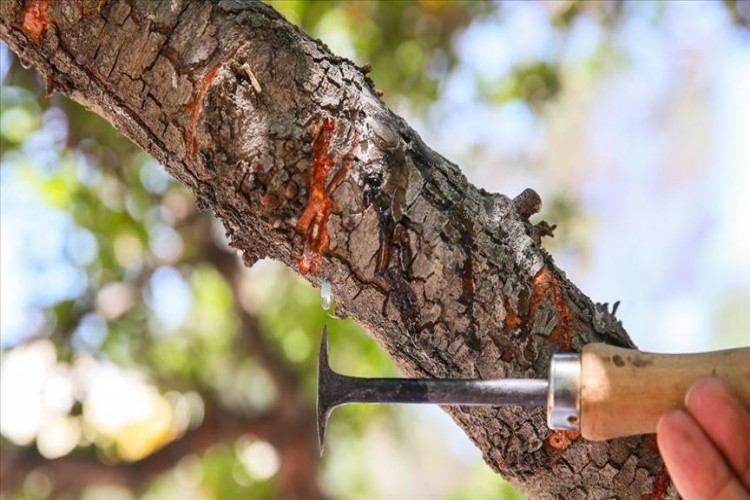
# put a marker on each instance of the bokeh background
(141, 360)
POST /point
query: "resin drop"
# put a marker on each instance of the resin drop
(325, 295)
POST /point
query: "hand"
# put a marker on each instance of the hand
(707, 448)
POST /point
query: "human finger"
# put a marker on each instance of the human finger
(725, 421)
(696, 467)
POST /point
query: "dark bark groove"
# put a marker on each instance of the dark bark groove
(251, 114)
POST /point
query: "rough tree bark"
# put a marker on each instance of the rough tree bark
(292, 149)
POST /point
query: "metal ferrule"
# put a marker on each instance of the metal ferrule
(564, 396)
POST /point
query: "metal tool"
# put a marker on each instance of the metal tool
(604, 391)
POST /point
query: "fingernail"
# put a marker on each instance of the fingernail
(674, 417)
(706, 384)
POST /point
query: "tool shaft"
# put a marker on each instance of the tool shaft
(522, 392)
(335, 389)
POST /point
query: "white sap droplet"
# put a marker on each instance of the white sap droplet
(325, 295)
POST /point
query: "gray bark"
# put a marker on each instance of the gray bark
(239, 105)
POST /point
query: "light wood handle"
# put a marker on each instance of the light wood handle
(626, 392)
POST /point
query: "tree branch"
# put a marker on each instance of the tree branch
(73, 473)
(295, 424)
(302, 162)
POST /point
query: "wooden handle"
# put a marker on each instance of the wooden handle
(626, 392)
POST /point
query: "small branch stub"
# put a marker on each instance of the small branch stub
(527, 203)
(251, 77)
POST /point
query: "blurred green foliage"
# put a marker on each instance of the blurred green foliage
(536, 83)
(408, 44)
